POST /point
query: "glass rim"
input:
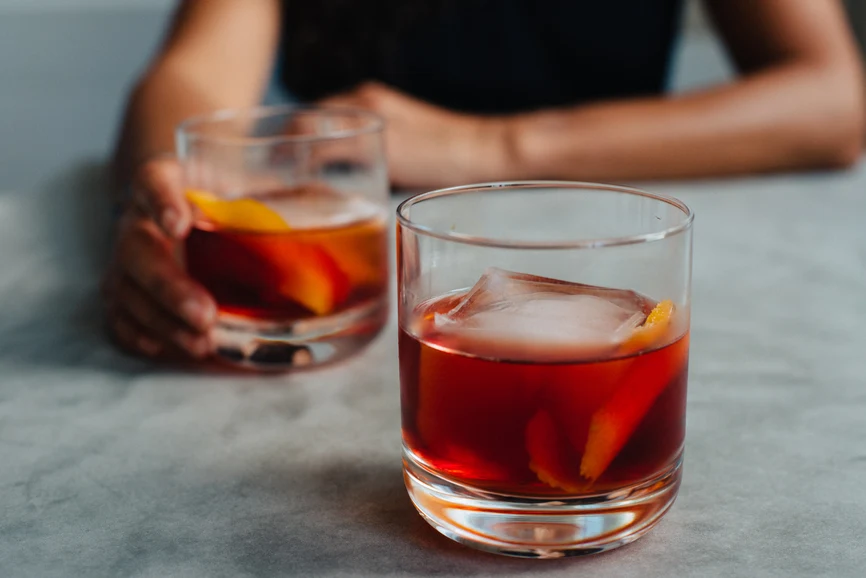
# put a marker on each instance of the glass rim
(447, 235)
(186, 128)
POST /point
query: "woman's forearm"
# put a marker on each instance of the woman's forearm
(791, 117)
(160, 101)
(218, 54)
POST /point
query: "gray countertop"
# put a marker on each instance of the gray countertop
(110, 466)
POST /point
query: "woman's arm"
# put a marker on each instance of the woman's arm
(798, 105)
(218, 54)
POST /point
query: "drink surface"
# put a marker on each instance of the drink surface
(524, 387)
(289, 254)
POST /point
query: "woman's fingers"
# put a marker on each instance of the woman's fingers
(148, 260)
(131, 336)
(154, 307)
(158, 322)
(158, 190)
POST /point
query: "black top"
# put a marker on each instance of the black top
(481, 55)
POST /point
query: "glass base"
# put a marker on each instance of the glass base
(539, 527)
(281, 346)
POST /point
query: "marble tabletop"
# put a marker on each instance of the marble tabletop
(112, 466)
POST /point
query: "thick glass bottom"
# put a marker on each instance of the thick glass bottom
(282, 346)
(539, 527)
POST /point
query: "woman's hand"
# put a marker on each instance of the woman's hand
(154, 308)
(430, 146)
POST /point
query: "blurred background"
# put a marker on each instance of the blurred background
(66, 65)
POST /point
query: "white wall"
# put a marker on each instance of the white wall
(39, 5)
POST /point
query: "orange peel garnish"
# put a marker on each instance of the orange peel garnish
(613, 423)
(653, 329)
(360, 251)
(622, 391)
(549, 453)
(304, 273)
(238, 214)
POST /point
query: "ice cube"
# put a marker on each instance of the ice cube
(317, 205)
(520, 316)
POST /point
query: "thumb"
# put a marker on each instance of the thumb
(158, 189)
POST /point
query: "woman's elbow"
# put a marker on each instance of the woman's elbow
(847, 144)
(842, 130)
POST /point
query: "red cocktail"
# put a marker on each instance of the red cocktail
(325, 262)
(544, 419)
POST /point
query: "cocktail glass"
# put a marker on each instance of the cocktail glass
(544, 331)
(290, 237)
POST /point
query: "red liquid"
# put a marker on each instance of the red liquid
(552, 429)
(290, 275)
